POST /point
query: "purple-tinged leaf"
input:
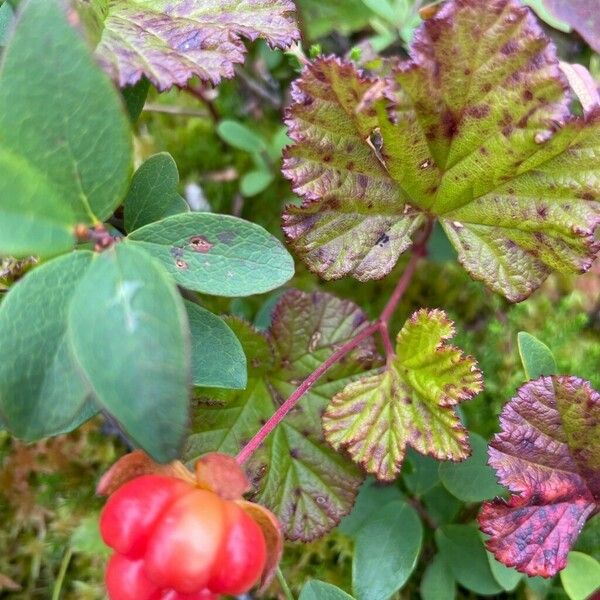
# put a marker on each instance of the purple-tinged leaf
(170, 41)
(548, 456)
(354, 219)
(583, 85)
(479, 135)
(582, 15)
(410, 403)
(295, 473)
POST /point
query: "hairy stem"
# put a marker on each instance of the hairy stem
(381, 326)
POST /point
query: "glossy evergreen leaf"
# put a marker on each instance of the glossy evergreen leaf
(461, 547)
(65, 147)
(581, 577)
(42, 392)
(411, 403)
(129, 334)
(218, 359)
(474, 129)
(177, 39)
(319, 590)
(354, 219)
(547, 455)
(386, 551)
(7, 16)
(471, 480)
(507, 577)
(295, 473)
(438, 582)
(536, 357)
(134, 97)
(153, 193)
(582, 15)
(372, 497)
(217, 254)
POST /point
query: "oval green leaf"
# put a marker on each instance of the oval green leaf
(462, 549)
(438, 582)
(536, 357)
(66, 142)
(153, 193)
(255, 182)
(42, 392)
(318, 590)
(240, 137)
(128, 330)
(218, 359)
(386, 551)
(471, 480)
(581, 577)
(217, 254)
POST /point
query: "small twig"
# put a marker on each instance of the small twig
(64, 565)
(285, 588)
(181, 111)
(257, 89)
(381, 326)
(200, 94)
(425, 516)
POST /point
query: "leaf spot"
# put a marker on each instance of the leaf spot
(199, 243)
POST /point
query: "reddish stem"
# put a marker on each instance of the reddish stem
(381, 326)
(285, 408)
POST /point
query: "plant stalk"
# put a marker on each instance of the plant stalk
(381, 326)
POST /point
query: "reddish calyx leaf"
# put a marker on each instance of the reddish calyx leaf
(136, 464)
(221, 474)
(548, 455)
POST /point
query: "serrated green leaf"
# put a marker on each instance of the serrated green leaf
(386, 551)
(478, 135)
(319, 590)
(42, 392)
(411, 403)
(153, 193)
(65, 150)
(536, 357)
(239, 136)
(471, 480)
(581, 577)
(176, 39)
(217, 254)
(127, 324)
(218, 359)
(295, 473)
(255, 182)
(438, 582)
(462, 549)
